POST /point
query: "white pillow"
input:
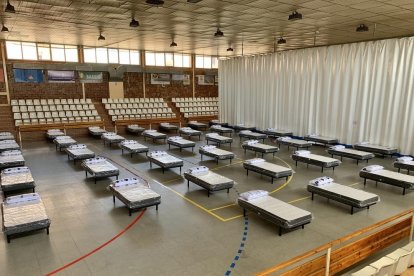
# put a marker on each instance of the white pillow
(270, 129)
(245, 131)
(192, 122)
(133, 126)
(251, 142)
(373, 168)
(363, 143)
(186, 128)
(313, 135)
(250, 195)
(63, 137)
(128, 182)
(157, 153)
(150, 130)
(129, 142)
(95, 160)
(255, 161)
(212, 134)
(8, 142)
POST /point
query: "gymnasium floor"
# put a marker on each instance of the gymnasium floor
(191, 234)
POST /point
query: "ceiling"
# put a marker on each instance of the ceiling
(249, 26)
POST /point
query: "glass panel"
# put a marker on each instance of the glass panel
(214, 62)
(207, 62)
(71, 53)
(134, 57)
(29, 51)
(150, 58)
(186, 60)
(101, 55)
(113, 56)
(58, 52)
(124, 57)
(169, 59)
(159, 59)
(199, 62)
(43, 51)
(14, 50)
(89, 55)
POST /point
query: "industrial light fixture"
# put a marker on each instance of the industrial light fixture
(362, 28)
(173, 44)
(101, 37)
(219, 33)
(9, 8)
(229, 49)
(4, 29)
(295, 16)
(281, 41)
(134, 23)
(155, 2)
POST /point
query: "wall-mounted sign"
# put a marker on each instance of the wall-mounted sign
(186, 80)
(90, 77)
(60, 76)
(28, 75)
(160, 78)
(205, 79)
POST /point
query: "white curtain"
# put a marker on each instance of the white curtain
(354, 92)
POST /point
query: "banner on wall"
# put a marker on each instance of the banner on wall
(28, 75)
(90, 77)
(60, 76)
(160, 79)
(177, 77)
(205, 79)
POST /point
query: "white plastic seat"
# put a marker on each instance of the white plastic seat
(22, 102)
(15, 109)
(385, 266)
(410, 247)
(30, 108)
(104, 100)
(76, 101)
(70, 101)
(61, 114)
(14, 102)
(88, 101)
(402, 258)
(63, 101)
(17, 116)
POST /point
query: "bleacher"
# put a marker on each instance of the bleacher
(193, 107)
(50, 111)
(137, 108)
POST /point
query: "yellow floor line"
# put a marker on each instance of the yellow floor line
(281, 187)
(172, 180)
(299, 199)
(222, 207)
(236, 217)
(228, 165)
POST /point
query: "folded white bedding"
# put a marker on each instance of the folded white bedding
(304, 153)
(15, 170)
(128, 182)
(404, 159)
(250, 195)
(175, 138)
(337, 147)
(157, 153)
(313, 135)
(208, 147)
(150, 130)
(245, 131)
(285, 138)
(250, 142)
(321, 181)
(255, 161)
(77, 146)
(212, 134)
(95, 160)
(198, 170)
(373, 168)
(22, 199)
(363, 143)
(129, 142)
(11, 153)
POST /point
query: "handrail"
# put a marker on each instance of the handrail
(330, 244)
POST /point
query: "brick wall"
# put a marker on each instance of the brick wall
(133, 87)
(46, 90)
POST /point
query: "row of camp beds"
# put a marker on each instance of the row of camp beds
(24, 212)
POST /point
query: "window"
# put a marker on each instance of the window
(41, 51)
(167, 59)
(111, 56)
(206, 62)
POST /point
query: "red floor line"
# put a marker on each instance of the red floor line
(99, 247)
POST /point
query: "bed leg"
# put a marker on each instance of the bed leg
(113, 199)
(86, 173)
(150, 165)
(296, 163)
(8, 239)
(403, 191)
(217, 161)
(280, 231)
(207, 141)
(262, 155)
(201, 157)
(357, 161)
(47, 230)
(117, 177)
(376, 183)
(169, 146)
(367, 160)
(312, 196)
(130, 211)
(95, 179)
(244, 212)
(272, 180)
(208, 193)
(303, 226)
(228, 190)
(163, 170)
(322, 169)
(181, 149)
(33, 189)
(131, 154)
(365, 181)
(231, 159)
(188, 184)
(156, 207)
(180, 169)
(244, 151)
(68, 157)
(247, 172)
(352, 210)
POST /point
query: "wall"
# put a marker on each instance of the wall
(45, 90)
(133, 86)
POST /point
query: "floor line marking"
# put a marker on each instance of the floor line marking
(99, 247)
(241, 246)
(235, 217)
(222, 207)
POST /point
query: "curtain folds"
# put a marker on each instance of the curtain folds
(354, 92)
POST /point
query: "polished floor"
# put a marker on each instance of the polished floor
(191, 234)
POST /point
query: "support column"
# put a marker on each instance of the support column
(6, 79)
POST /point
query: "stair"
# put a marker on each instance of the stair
(176, 111)
(6, 120)
(104, 115)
